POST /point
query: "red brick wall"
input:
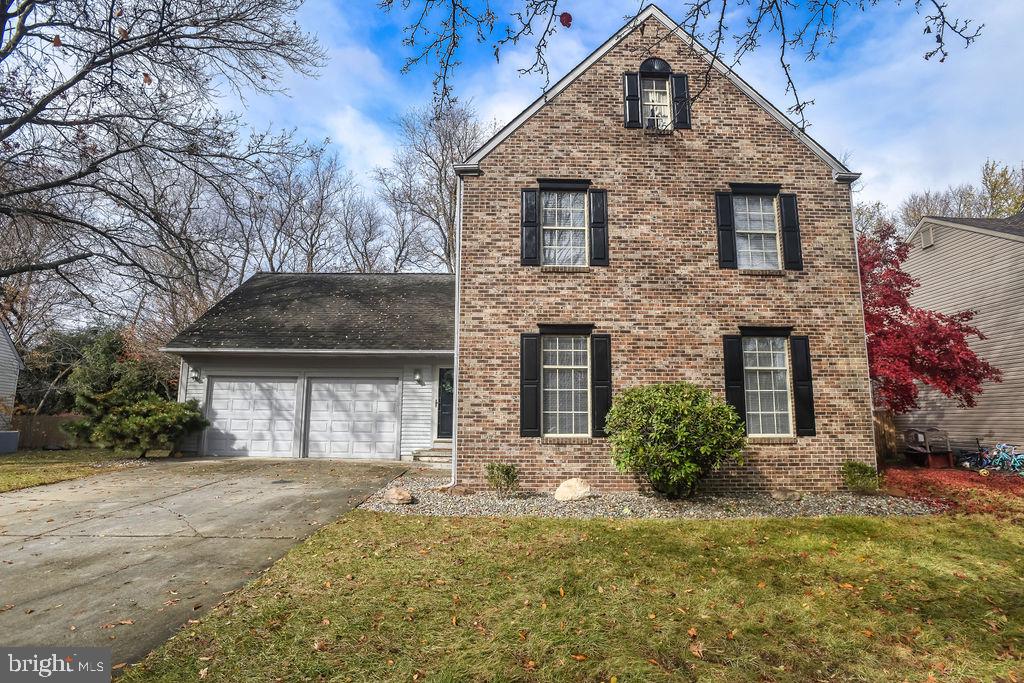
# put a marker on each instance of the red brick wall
(663, 299)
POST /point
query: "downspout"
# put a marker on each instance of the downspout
(458, 300)
(864, 329)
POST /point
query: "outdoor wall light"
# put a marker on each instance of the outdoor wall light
(417, 375)
(197, 376)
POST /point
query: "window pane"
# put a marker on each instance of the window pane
(766, 381)
(566, 397)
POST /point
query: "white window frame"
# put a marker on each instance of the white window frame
(777, 233)
(544, 366)
(585, 228)
(787, 363)
(661, 123)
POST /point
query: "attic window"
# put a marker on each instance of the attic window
(655, 98)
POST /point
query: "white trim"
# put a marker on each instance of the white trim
(455, 359)
(790, 407)
(928, 220)
(840, 173)
(589, 411)
(14, 349)
(335, 352)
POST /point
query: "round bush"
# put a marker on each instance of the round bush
(673, 435)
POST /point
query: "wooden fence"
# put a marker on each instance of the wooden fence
(888, 441)
(42, 431)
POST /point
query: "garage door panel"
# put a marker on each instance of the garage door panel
(353, 418)
(253, 417)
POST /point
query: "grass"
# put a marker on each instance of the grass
(32, 468)
(397, 598)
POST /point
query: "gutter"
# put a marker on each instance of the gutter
(458, 299)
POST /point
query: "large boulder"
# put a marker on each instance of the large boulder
(572, 489)
(398, 495)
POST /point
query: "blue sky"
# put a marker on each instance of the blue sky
(905, 123)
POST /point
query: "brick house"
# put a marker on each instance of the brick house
(620, 231)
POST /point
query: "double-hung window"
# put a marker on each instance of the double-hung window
(565, 382)
(564, 228)
(757, 232)
(766, 386)
(655, 103)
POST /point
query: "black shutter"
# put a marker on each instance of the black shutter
(726, 230)
(600, 381)
(631, 97)
(803, 391)
(598, 228)
(531, 227)
(529, 385)
(792, 255)
(680, 101)
(732, 345)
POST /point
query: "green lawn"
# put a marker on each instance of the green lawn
(32, 468)
(387, 597)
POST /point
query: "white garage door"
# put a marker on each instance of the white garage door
(251, 416)
(353, 418)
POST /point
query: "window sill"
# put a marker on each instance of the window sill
(772, 440)
(567, 440)
(565, 269)
(770, 272)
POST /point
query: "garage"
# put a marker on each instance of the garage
(353, 418)
(251, 416)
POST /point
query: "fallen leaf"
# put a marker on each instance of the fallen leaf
(868, 632)
(652, 615)
(203, 672)
(579, 657)
(761, 585)
(126, 622)
(731, 635)
(531, 665)
(692, 632)
(325, 621)
(697, 649)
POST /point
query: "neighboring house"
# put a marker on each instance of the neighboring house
(323, 365)
(975, 264)
(613, 235)
(10, 367)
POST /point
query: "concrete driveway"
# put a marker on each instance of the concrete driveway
(123, 560)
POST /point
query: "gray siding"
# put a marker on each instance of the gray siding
(418, 398)
(10, 367)
(981, 272)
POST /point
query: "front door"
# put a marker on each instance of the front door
(445, 384)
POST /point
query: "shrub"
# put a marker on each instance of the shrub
(503, 477)
(673, 435)
(861, 478)
(147, 424)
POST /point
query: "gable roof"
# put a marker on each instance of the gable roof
(839, 170)
(329, 312)
(5, 338)
(1011, 228)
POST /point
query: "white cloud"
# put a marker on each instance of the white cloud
(362, 142)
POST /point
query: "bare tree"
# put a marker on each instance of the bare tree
(420, 186)
(805, 28)
(93, 91)
(998, 194)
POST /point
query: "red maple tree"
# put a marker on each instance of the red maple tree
(908, 346)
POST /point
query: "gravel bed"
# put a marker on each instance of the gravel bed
(430, 500)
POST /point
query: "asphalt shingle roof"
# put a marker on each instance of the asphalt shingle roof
(334, 311)
(1014, 225)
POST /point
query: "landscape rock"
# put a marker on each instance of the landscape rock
(785, 494)
(398, 495)
(572, 489)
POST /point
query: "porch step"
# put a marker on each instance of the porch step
(442, 456)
